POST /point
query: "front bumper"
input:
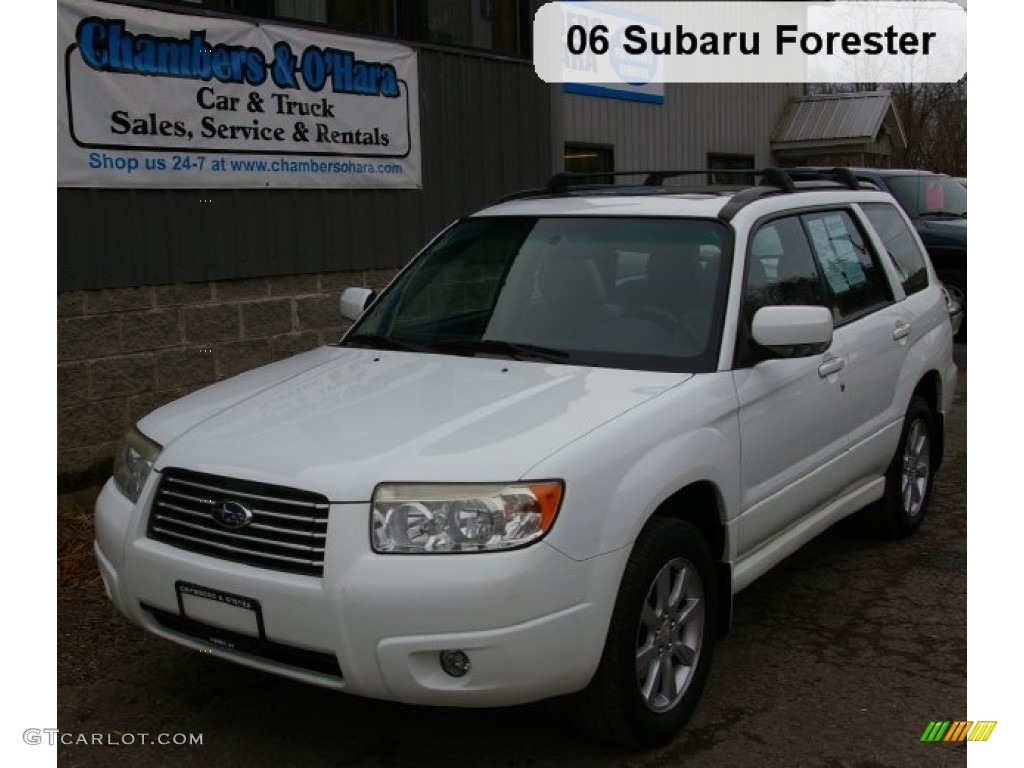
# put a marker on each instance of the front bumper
(532, 621)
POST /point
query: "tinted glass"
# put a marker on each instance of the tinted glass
(641, 293)
(781, 268)
(927, 195)
(854, 278)
(900, 243)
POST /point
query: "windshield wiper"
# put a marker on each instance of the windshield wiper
(515, 350)
(378, 341)
(943, 214)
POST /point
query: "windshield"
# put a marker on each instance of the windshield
(641, 293)
(928, 195)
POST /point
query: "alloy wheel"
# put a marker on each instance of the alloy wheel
(916, 473)
(669, 635)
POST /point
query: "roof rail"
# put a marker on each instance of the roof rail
(843, 176)
(774, 181)
(521, 195)
(782, 178)
(776, 177)
(561, 182)
(746, 196)
(657, 178)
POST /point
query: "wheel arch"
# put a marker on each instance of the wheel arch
(929, 389)
(700, 503)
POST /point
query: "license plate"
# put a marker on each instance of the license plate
(228, 619)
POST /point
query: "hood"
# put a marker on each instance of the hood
(339, 420)
(943, 232)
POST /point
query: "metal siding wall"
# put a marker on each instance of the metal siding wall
(485, 130)
(694, 120)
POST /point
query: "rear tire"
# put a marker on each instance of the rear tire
(660, 641)
(909, 479)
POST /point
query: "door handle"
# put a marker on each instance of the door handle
(830, 366)
(901, 331)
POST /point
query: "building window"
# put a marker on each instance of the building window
(501, 26)
(302, 10)
(718, 161)
(261, 9)
(590, 158)
(371, 17)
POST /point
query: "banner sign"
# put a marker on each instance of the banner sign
(154, 99)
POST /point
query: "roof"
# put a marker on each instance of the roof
(612, 205)
(888, 172)
(721, 207)
(837, 118)
(561, 197)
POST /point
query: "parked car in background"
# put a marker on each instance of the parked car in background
(937, 206)
(541, 463)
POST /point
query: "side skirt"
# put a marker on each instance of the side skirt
(773, 551)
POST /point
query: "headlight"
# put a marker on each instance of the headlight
(462, 518)
(133, 463)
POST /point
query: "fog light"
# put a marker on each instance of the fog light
(455, 663)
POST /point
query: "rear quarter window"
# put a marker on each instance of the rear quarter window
(900, 244)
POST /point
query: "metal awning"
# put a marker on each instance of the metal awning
(837, 119)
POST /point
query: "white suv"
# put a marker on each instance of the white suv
(544, 459)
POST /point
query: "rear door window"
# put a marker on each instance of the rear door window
(814, 258)
(854, 276)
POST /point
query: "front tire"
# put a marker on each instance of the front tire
(909, 479)
(660, 641)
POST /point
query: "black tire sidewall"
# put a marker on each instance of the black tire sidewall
(661, 541)
(899, 522)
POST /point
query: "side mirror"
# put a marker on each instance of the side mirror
(793, 331)
(354, 301)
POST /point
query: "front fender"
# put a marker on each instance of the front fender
(618, 475)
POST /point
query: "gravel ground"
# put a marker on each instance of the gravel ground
(839, 657)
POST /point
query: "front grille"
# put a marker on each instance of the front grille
(288, 531)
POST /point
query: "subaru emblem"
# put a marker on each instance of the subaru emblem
(232, 514)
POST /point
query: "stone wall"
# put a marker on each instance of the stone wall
(123, 352)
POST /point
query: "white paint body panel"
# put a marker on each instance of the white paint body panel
(352, 418)
(793, 438)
